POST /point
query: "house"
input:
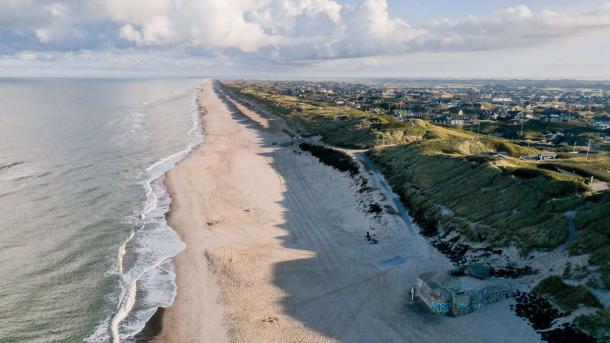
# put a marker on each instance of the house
(470, 117)
(551, 118)
(551, 136)
(456, 122)
(524, 115)
(399, 113)
(443, 120)
(403, 114)
(502, 100)
(569, 115)
(600, 125)
(547, 155)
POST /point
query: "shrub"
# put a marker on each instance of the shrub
(334, 158)
(565, 296)
(596, 325)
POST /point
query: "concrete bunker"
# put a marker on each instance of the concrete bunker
(452, 295)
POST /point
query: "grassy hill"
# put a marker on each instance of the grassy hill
(339, 126)
(498, 201)
(449, 180)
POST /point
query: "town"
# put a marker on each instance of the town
(573, 115)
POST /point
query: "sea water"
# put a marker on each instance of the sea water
(85, 251)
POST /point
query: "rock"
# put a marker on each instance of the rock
(478, 271)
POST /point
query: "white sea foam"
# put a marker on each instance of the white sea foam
(145, 266)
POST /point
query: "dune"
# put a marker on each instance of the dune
(276, 248)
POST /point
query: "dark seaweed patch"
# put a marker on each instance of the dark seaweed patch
(537, 310)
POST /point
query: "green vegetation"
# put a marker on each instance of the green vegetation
(604, 272)
(494, 200)
(449, 181)
(499, 201)
(596, 325)
(573, 130)
(595, 166)
(334, 158)
(338, 126)
(594, 238)
(566, 297)
(575, 272)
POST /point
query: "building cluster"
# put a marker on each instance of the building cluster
(468, 103)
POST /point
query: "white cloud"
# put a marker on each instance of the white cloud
(368, 29)
(129, 33)
(516, 12)
(43, 35)
(134, 11)
(511, 28)
(278, 31)
(218, 23)
(157, 30)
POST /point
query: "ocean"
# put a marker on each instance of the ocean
(85, 251)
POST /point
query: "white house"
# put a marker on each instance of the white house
(547, 155)
(600, 125)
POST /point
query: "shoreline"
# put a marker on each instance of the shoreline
(276, 249)
(175, 220)
(142, 311)
(152, 329)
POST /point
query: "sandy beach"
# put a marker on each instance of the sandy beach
(276, 249)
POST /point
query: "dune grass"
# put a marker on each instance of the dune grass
(566, 297)
(339, 126)
(596, 325)
(499, 200)
(448, 182)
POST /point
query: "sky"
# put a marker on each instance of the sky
(291, 39)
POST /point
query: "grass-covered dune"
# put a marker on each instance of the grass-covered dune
(566, 297)
(498, 201)
(488, 200)
(569, 298)
(596, 166)
(339, 126)
(596, 325)
(449, 182)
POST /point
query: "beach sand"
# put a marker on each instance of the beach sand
(276, 249)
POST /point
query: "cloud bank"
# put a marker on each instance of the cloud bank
(268, 31)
